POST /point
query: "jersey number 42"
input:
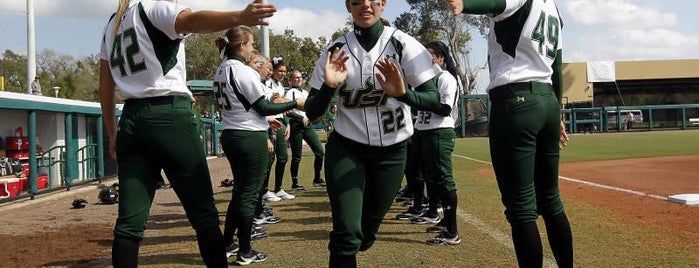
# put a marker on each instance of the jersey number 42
(122, 56)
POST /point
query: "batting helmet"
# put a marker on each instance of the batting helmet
(79, 203)
(108, 195)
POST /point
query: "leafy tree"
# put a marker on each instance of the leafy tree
(14, 68)
(298, 53)
(202, 56)
(432, 21)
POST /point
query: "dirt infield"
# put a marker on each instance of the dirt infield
(46, 232)
(662, 176)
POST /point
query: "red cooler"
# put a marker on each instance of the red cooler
(9, 187)
(23, 184)
(42, 182)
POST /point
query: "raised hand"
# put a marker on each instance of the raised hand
(336, 68)
(390, 78)
(456, 6)
(256, 13)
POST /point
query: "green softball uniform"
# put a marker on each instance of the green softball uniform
(365, 154)
(145, 146)
(524, 127)
(524, 51)
(241, 99)
(300, 133)
(280, 156)
(157, 129)
(434, 141)
(436, 135)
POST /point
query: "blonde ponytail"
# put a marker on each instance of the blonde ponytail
(123, 5)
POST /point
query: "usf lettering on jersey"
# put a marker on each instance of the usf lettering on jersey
(365, 113)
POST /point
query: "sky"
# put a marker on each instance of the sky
(594, 30)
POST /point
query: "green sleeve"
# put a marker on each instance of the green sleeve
(425, 97)
(557, 76)
(482, 7)
(265, 108)
(318, 101)
(443, 110)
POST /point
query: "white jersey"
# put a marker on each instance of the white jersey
(138, 69)
(275, 87)
(295, 94)
(529, 56)
(448, 94)
(237, 87)
(365, 113)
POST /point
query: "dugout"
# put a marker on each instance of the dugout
(204, 96)
(60, 142)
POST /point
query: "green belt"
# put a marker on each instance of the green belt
(178, 101)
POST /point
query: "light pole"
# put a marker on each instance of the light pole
(55, 91)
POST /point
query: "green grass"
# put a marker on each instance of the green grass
(586, 147)
(602, 237)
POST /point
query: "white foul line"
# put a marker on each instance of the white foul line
(582, 181)
(500, 237)
(614, 188)
(505, 239)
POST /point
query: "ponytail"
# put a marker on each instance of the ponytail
(442, 50)
(123, 5)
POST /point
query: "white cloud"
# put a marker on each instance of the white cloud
(622, 30)
(618, 14)
(634, 44)
(306, 23)
(100, 8)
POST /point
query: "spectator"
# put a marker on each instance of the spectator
(36, 86)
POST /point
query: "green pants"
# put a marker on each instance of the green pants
(160, 134)
(246, 152)
(362, 182)
(281, 154)
(434, 152)
(415, 182)
(299, 133)
(524, 131)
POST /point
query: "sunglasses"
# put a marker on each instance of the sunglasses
(373, 3)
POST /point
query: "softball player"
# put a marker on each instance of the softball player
(368, 68)
(525, 126)
(301, 130)
(143, 53)
(281, 136)
(264, 67)
(241, 99)
(435, 132)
